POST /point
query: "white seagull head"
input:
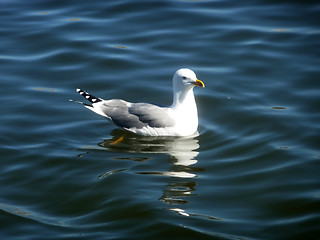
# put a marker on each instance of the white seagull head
(185, 79)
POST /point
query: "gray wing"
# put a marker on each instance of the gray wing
(138, 115)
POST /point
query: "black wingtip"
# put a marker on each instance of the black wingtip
(88, 96)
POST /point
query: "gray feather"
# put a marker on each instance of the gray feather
(138, 115)
(153, 115)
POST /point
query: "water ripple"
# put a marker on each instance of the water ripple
(251, 173)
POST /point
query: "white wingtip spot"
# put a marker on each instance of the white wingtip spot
(87, 97)
(93, 100)
(78, 90)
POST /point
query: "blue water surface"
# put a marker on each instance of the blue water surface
(251, 173)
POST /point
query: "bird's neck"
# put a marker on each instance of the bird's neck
(183, 99)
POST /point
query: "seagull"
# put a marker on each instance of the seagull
(179, 119)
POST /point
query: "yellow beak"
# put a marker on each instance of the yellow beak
(198, 83)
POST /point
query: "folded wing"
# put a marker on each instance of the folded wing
(136, 115)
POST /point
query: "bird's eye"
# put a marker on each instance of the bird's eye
(184, 77)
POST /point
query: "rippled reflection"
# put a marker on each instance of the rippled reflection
(182, 150)
(182, 154)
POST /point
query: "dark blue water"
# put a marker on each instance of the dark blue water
(253, 171)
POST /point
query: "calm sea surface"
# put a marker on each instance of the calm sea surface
(253, 172)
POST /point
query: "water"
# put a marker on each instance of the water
(251, 173)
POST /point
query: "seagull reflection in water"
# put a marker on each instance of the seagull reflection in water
(182, 153)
